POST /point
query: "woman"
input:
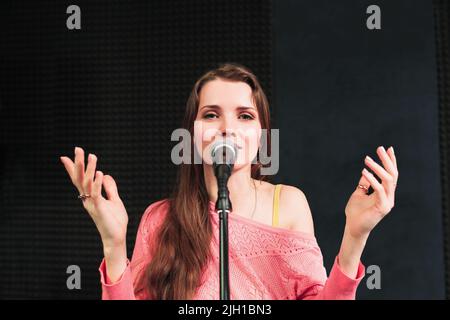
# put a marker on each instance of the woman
(273, 251)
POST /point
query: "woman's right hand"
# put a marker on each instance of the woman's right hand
(109, 215)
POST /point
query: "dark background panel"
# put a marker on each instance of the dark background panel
(340, 91)
(118, 88)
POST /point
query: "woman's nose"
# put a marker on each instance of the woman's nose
(227, 127)
(227, 124)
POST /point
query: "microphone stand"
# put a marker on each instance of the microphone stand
(223, 207)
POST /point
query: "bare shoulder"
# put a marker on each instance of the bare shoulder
(294, 204)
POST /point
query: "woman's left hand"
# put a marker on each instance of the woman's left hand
(363, 211)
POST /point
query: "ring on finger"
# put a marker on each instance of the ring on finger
(363, 187)
(84, 196)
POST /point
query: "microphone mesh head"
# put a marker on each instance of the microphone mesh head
(223, 152)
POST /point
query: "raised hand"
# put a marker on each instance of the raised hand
(363, 211)
(109, 214)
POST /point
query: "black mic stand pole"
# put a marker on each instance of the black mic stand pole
(223, 207)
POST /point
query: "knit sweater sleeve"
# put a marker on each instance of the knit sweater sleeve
(312, 282)
(124, 288)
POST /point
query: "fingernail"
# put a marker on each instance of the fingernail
(392, 148)
(369, 158)
(365, 171)
(382, 148)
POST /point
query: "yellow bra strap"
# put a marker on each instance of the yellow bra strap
(276, 200)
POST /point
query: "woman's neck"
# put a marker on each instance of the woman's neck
(240, 186)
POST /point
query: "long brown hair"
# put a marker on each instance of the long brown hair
(182, 243)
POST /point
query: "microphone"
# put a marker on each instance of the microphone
(223, 154)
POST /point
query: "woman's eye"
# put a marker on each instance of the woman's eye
(247, 116)
(207, 116)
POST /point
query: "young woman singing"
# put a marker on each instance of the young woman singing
(273, 252)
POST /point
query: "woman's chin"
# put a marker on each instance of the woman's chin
(238, 167)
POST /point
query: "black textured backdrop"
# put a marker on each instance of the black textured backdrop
(442, 27)
(117, 88)
(344, 90)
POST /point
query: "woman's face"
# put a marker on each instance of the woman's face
(227, 107)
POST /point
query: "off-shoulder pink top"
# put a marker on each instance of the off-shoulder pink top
(265, 262)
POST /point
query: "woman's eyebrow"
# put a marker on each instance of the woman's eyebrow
(215, 106)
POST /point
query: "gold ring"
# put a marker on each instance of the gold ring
(363, 187)
(83, 196)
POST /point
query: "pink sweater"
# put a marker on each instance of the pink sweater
(265, 263)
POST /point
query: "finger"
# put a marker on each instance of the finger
(377, 187)
(79, 168)
(363, 182)
(387, 179)
(69, 166)
(394, 160)
(89, 175)
(391, 153)
(96, 193)
(110, 188)
(386, 160)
